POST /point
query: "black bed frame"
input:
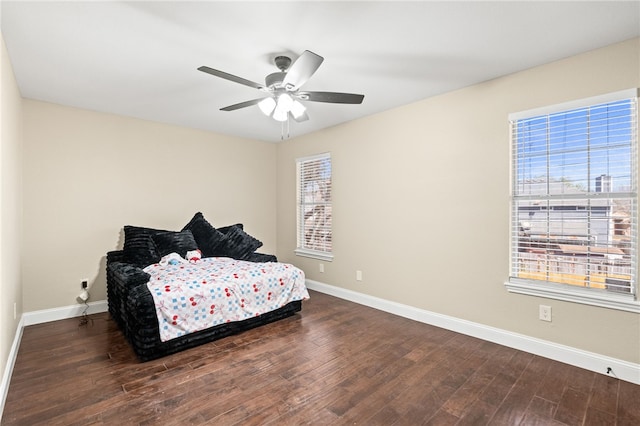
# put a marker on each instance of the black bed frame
(131, 306)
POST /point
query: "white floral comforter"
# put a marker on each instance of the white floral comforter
(195, 296)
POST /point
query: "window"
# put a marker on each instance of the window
(314, 207)
(574, 201)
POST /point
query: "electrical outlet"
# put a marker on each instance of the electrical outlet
(358, 275)
(84, 284)
(545, 313)
(321, 267)
(15, 310)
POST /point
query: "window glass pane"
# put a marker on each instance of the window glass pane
(314, 204)
(569, 172)
(574, 205)
(317, 228)
(579, 242)
(611, 169)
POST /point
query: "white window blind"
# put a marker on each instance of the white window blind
(574, 198)
(314, 206)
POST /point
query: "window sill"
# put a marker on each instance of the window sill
(327, 257)
(592, 297)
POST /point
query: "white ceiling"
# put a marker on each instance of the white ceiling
(139, 58)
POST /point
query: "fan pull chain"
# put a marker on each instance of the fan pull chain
(282, 129)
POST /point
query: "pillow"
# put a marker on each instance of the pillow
(139, 248)
(174, 242)
(208, 238)
(226, 229)
(238, 244)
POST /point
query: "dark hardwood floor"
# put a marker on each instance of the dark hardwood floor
(334, 363)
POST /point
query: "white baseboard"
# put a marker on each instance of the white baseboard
(38, 317)
(11, 360)
(64, 312)
(620, 369)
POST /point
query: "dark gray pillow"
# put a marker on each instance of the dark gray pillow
(226, 229)
(238, 244)
(139, 248)
(174, 242)
(208, 238)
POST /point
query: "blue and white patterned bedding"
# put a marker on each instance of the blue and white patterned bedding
(215, 290)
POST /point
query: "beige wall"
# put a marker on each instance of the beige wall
(399, 215)
(88, 174)
(10, 206)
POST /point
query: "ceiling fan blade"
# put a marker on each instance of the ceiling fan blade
(241, 105)
(301, 70)
(232, 77)
(331, 97)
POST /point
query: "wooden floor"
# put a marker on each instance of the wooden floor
(334, 363)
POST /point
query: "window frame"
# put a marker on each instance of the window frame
(566, 292)
(300, 227)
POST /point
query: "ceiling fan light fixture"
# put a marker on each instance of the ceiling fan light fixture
(267, 105)
(285, 102)
(280, 115)
(297, 109)
(283, 88)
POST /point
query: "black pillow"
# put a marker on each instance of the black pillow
(226, 229)
(208, 238)
(238, 244)
(139, 248)
(174, 242)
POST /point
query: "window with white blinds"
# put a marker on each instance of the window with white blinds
(574, 201)
(314, 207)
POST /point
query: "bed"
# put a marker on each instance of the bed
(172, 290)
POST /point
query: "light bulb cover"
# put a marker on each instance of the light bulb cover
(297, 109)
(280, 115)
(267, 106)
(285, 102)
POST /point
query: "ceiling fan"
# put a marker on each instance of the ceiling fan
(283, 88)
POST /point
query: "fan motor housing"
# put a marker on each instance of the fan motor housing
(275, 79)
